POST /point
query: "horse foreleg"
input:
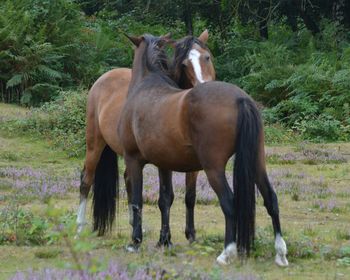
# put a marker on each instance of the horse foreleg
(190, 200)
(271, 204)
(129, 194)
(166, 198)
(134, 172)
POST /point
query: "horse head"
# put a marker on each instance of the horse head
(192, 62)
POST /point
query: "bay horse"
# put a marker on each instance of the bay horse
(192, 64)
(191, 130)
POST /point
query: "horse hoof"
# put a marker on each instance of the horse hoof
(228, 253)
(132, 248)
(191, 237)
(281, 260)
(191, 240)
(222, 260)
(165, 244)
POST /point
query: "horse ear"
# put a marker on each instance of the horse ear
(166, 39)
(204, 36)
(167, 36)
(135, 40)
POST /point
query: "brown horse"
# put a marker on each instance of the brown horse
(192, 64)
(191, 130)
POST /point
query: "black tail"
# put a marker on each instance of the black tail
(106, 190)
(249, 127)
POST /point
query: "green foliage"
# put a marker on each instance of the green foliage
(21, 227)
(277, 134)
(322, 127)
(34, 54)
(47, 47)
(303, 79)
(61, 120)
(47, 253)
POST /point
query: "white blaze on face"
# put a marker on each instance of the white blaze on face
(194, 56)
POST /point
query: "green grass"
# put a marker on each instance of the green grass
(318, 241)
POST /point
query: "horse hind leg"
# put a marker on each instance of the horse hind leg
(190, 200)
(86, 181)
(84, 192)
(271, 204)
(218, 182)
(166, 198)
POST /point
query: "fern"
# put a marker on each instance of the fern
(14, 81)
(48, 72)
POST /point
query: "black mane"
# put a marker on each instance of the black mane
(156, 59)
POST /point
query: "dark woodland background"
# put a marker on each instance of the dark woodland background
(293, 56)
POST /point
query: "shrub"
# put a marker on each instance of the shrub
(302, 78)
(62, 121)
(322, 127)
(21, 227)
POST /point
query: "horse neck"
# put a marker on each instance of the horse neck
(139, 68)
(179, 76)
(184, 81)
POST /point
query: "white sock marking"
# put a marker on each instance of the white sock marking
(194, 56)
(81, 215)
(281, 251)
(229, 252)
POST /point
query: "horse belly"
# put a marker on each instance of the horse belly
(167, 147)
(181, 159)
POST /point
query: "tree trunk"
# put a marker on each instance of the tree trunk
(263, 18)
(188, 16)
(147, 5)
(309, 23)
(291, 13)
(341, 12)
(308, 20)
(264, 33)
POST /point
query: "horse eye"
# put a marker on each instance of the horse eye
(207, 58)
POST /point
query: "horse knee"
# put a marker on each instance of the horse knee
(165, 201)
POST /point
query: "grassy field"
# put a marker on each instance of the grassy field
(39, 197)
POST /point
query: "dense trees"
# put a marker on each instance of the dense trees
(291, 55)
(221, 12)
